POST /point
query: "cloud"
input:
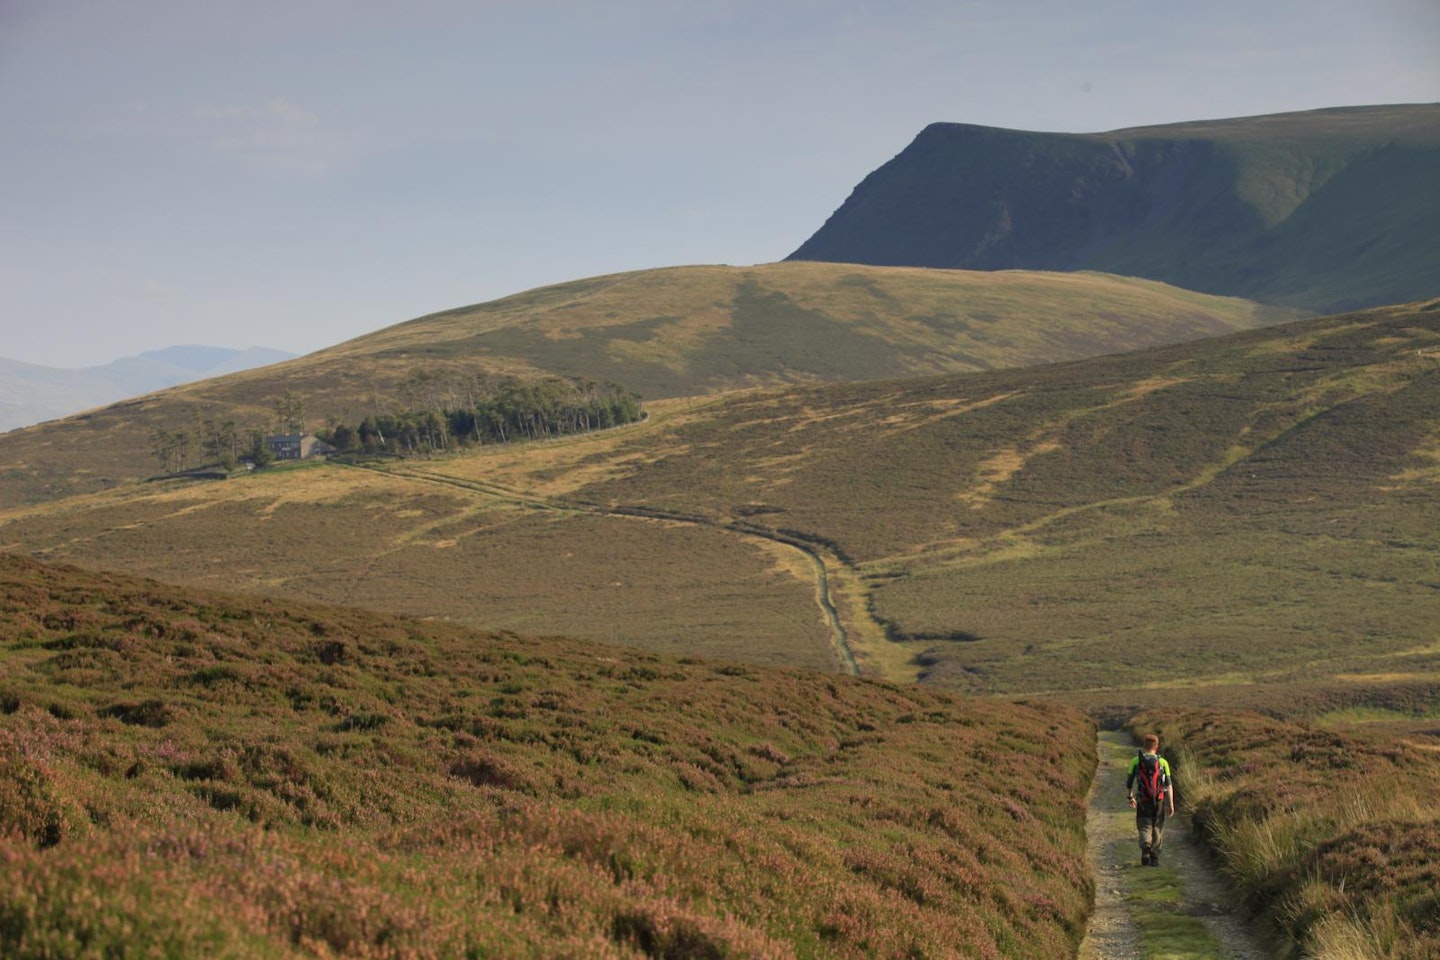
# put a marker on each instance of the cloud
(277, 137)
(156, 290)
(280, 111)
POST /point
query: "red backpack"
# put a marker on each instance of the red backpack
(1150, 781)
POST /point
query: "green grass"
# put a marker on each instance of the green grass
(1156, 896)
(1347, 717)
(1166, 935)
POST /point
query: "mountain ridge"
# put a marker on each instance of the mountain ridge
(1329, 210)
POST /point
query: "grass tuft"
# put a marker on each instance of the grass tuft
(1330, 834)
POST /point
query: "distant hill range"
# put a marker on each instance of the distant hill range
(31, 394)
(1326, 210)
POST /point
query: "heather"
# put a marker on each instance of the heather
(1330, 835)
(185, 773)
(1261, 507)
(674, 332)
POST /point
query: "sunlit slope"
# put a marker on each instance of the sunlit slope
(692, 330)
(1327, 209)
(1257, 511)
(193, 774)
(662, 333)
(1260, 508)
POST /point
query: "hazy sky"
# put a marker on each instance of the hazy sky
(292, 173)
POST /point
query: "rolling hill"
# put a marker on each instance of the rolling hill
(194, 774)
(1244, 522)
(661, 333)
(1329, 210)
(808, 661)
(1247, 519)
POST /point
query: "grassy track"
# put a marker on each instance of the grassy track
(1177, 911)
(1327, 831)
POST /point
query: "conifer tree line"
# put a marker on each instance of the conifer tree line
(435, 415)
(490, 413)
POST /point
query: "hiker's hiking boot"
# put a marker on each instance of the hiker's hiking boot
(1154, 859)
(1145, 858)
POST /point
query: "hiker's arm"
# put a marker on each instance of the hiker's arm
(1130, 783)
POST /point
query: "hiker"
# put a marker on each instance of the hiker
(1148, 785)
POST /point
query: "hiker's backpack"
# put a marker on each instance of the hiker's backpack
(1149, 781)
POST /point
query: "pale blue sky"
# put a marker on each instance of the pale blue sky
(292, 173)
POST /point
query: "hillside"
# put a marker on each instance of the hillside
(1259, 508)
(1328, 210)
(1249, 519)
(193, 774)
(660, 333)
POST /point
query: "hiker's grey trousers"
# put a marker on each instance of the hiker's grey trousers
(1151, 827)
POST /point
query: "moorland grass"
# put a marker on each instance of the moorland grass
(1249, 518)
(684, 331)
(1329, 835)
(1254, 509)
(188, 773)
(425, 549)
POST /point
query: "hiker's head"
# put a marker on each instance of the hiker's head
(1151, 743)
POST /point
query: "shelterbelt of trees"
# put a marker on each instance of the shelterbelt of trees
(509, 410)
(431, 414)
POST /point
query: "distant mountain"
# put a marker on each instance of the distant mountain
(215, 361)
(1326, 210)
(31, 394)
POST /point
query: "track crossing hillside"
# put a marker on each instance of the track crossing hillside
(815, 556)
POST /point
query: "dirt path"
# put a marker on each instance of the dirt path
(1130, 899)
